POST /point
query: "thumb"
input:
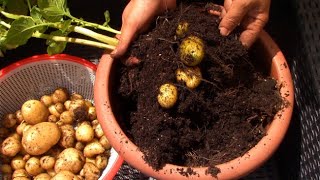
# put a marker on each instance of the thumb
(128, 33)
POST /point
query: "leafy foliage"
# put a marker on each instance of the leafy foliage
(22, 19)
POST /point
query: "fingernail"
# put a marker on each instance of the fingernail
(224, 31)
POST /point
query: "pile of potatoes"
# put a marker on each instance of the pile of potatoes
(56, 137)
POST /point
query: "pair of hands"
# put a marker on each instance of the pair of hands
(252, 15)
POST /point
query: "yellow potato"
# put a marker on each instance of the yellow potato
(67, 138)
(101, 162)
(79, 109)
(65, 175)
(20, 173)
(191, 76)
(71, 160)
(33, 166)
(79, 146)
(21, 127)
(105, 142)
(51, 172)
(182, 29)
(11, 146)
(98, 131)
(67, 104)
(92, 149)
(168, 95)
(56, 109)
(60, 95)
(34, 112)
(18, 163)
(84, 133)
(53, 118)
(19, 116)
(42, 176)
(91, 172)
(46, 100)
(76, 96)
(66, 117)
(92, 114)
(47, 162)
(40, 138)
(192, 51)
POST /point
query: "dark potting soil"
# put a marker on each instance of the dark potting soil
(219, 120)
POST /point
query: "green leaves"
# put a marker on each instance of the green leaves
(56, 47)
(107, 18)
(53, 10)
(21, 30)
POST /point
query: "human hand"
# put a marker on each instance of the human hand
(252, 15)
(135, 19)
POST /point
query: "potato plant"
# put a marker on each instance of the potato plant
(46, 139)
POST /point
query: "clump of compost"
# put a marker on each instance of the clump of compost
(198, 109)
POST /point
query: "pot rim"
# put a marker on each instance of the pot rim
(235, 168)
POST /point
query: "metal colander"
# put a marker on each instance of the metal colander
(39, 75)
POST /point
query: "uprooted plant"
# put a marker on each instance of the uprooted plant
(51, 20)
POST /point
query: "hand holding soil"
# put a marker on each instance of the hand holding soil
(136, 18)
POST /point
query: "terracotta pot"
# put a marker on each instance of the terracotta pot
(233, 169)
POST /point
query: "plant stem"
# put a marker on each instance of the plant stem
(5, 24)
(77, 29)
(94, 25)
(89, 33)
(73, 40)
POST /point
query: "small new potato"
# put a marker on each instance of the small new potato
(51, 172)
(84, 133)
(19, 116)
(91, 172)
(168, 95)
(92, 149)
(105, 142)
(65, 175)
(42, 176)
(191, 76)
(79, 109)
(20, 127)
(18, 163)
(10, 146)
(34, 112)
(92, 114)
(192, 51)
(67, 104)
(79, 145)
(53, 118)
(47, 100)
(98, 131)
(76, 96)
(9, 120)
(67, 138)
(182, 29)
(33, 166)
(40, 138)
(56, 109)
(71, 160)
(66, 117)
(20, 173)
(60, 95)
(101, 162)
(47, 162)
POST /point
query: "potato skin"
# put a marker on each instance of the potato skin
(65, 175)
(10, 146)
(168, 95)
(47, 162)
(84, 133)
(33, 166)
(42, 176)
(71, 160)
(20, 173)
(91, 172)
(67, 139)
(34, 112)
(18, 163)
(92, 149)
(40, 138)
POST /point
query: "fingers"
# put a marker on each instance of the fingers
(237, 10)
(253, 25)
